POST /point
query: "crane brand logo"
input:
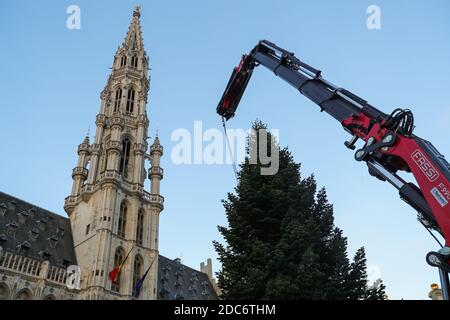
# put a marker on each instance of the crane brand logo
(425, 165)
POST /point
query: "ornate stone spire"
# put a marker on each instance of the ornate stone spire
(86, 139)
(133, 39)
(111, 211)
(156, 141)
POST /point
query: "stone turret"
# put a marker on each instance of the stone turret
(207, 269)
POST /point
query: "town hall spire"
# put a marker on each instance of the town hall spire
(111, 214)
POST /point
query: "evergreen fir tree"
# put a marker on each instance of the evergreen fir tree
(376, 292)
(357, 277)
(281, 241)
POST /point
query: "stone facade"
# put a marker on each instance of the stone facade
(110, 212)
(112, 220)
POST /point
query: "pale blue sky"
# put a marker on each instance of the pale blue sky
(52, 78)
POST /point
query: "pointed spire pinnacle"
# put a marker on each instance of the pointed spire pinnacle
(156, 147)
(86, 139)
(137, 11)
(133, 39)
(156, 141)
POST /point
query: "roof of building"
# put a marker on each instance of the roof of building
(34, 232)
(179, 282)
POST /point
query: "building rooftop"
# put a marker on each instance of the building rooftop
(179, 282)
(34, 232)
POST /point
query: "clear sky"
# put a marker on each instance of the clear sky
(52, 77)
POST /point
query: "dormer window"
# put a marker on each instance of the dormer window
(22, 216)
(50, 220)
(34, 234)
(32, 212)
(12, 204)
(23, 246)
(53, 242)
(11, 228)
(60, 231)
(3, 208)
(41, 224)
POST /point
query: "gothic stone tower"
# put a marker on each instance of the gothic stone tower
(110, 212)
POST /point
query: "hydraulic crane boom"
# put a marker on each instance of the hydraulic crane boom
(389, 143)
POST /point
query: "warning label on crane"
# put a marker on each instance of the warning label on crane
(439, 197)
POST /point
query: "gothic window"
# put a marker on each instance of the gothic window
(123, 61)
(118, 258)
(4, 292)
(137, 272)
(140, 227)
(24, 294)
(117, 100)
(125, 158)
(122, 219)
(130, 100)
(134, 61)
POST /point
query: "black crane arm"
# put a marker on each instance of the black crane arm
(337, 102)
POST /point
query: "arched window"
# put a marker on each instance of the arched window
(4, 292)
(134, 61)
(137, 272)
(49, 297)
(140, 227)
(118, 258)
(117, 100)
(130, 100)
(24, 294)
(125, 158)
(122, 220)
(123, 61)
